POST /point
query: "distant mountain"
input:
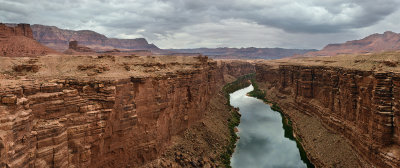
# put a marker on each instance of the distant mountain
(244, 53)
(16, 40)
(58, 39)
(388, 41)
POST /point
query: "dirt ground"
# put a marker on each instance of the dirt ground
(33, 70)
(385, 61)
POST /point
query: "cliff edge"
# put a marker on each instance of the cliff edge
(356, 97)
(106, 111)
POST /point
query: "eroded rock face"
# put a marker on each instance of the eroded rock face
(361, 105)
(73, 45)
(17, 41)
(17, 30)
(100, 122)
(236, 68)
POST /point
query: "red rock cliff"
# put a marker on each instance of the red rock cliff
(17, 41)
(96, 122)
(361, 105)
(18, 30)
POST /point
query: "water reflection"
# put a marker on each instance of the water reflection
(262, 143)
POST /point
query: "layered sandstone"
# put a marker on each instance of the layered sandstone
(17, 41)
(99, 111)
(16, 30)
(362, 104)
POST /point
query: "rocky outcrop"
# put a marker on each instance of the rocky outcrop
(15, 30)
(17, 41)
(73, 45)
(388, 41)
(363, 106)
(245, 53)
(97, 121)
(236, 68)
(58, 39)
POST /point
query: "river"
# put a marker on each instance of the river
(262, 142)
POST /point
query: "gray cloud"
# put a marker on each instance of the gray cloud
(211, 23)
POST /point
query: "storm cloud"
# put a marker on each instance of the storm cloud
(214, 23)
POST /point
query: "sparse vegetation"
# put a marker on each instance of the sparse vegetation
(257, 93)
(286, 122)
(234, 121)
(240, 83)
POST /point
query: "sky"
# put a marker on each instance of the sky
(309, 24)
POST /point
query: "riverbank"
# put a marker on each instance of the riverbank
(234, 121)
(210, 142)
(323, 147)
(286, 121)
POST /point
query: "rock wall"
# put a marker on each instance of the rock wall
(361, 105)
(101, 123)
(236, 68)
(17, 41)
(17, 30)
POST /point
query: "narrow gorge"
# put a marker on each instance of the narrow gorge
(170, 111)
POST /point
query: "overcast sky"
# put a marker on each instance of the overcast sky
(214, 23)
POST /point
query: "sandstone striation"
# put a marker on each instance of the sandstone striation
(16, 30)
(60, 111)
(360, 104)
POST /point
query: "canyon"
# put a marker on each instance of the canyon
(137, 109)
(354, 97)
(101, 111)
